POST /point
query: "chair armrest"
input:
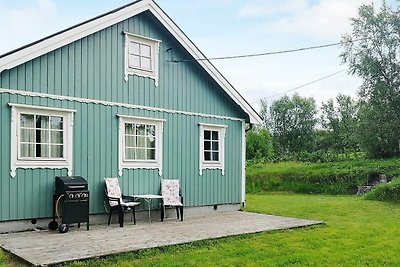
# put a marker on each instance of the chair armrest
(128, 197)
(114, 199)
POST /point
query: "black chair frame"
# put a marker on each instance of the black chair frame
(120, 209)
(179, 209)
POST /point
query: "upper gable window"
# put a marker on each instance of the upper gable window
(141, 56)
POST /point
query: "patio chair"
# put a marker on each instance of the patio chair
(118, 202)
(170, 191)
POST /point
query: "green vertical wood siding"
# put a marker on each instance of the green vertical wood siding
(93, 68)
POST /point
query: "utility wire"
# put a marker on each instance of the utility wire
(303, 85)
(266, 53)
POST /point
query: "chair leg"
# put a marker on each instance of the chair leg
(181, 209)
(121, 216)
(134, 215)
(162, 212)
(109, 216)
(177, 212)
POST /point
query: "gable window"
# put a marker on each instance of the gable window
(212, 147)
(141, 56)
(140, 143)
(41, 137)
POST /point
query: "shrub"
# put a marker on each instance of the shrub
(386, 192)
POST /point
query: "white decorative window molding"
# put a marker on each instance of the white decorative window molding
(141, 56)
(41, 137)
(212, 147)
(140, 143)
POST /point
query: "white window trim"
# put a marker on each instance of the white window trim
(221, 146)
(155, 50)
(140, 164)
(66, 162)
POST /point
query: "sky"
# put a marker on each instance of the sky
(226, 28)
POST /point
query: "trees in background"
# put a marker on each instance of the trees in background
(372, 53)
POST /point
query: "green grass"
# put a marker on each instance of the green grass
(386, 192)
(358, 232)
(318, 178)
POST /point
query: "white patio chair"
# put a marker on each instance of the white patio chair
(118, 201)
(170, 191)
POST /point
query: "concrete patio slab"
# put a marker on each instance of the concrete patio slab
(49, 247)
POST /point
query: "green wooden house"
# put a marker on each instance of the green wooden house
(107, 98)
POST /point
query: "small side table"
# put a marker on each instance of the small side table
(148, 198)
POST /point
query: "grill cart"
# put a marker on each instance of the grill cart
(72, 198)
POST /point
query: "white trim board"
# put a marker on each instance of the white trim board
(35, 50)
(110, 103)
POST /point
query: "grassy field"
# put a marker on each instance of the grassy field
(358, 232)
(316, 178)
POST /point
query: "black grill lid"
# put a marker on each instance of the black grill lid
(70, 183)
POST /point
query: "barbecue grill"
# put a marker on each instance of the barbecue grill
(72, 197)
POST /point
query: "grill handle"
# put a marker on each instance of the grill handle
(76, 186)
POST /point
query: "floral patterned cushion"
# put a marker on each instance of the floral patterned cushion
(113, 190)
(170, 192)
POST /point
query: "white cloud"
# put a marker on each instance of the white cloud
(23, 22)
(326, 19)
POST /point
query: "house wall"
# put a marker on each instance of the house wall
(93, 68)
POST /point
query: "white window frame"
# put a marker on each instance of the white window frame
(140, 164)
(34, 163)
(220, 164)
(155, 50)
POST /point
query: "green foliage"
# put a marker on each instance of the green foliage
(386, 192)
(259, 145)
(292, 123)
(340, 123)
(316, 178)
(372, 53)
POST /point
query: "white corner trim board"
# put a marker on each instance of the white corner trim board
(33, 162)
(90, 27)
(117, 104)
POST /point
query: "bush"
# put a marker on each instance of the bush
(316, 178)
(386, 192)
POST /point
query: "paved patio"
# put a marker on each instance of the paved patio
(49, 247)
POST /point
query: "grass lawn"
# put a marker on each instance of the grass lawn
(357, 233)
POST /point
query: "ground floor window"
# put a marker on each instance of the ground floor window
(140, 143)
(41, 137)
(212, 147)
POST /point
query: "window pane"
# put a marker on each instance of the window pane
(129, 153)
(134, 48)
(56, 122)
(151, 130)
(151, 142)
(215, 156)
(146, 50)
(146, 63)
(56, 151)
(130, 141)
(27, 120)
(214, 135)
(215, 145)
(140, 129)
(42, 136)
(140, 141)
(56, 137)
(134, 61)
(27, 150)
(207, 145)
(42, 151)
(207, 135)
(129, 128)
(140, 153)
(207, 156)
(151, 154)
(27, 135)
(42, 122)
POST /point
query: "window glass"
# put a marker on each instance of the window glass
(140, 141)
(211, 146)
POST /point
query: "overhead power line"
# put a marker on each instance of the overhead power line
(265, 53)
(303, 85)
